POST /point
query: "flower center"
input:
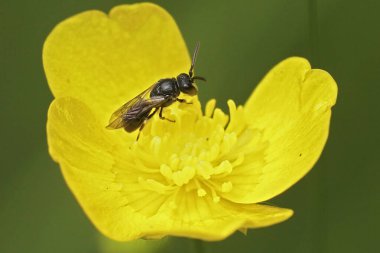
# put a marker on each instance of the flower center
(195, 154)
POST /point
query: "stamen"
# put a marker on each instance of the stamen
(215, 197)
(155, 145)
(201, 192)
(229, 140)
(153, 185)
(210, 107)
(204, 169)
(166, 171)
(227, 186)
(174, 161)
(239, 160)
(183, 176)
(195, 155)
(223, 167)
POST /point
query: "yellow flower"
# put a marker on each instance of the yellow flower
(202, 176)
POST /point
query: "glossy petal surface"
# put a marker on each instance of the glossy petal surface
(291, 107)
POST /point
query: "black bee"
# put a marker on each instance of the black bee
(135, 113)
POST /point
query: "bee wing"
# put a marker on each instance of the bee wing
(137, 112)
(135, 108)
(142, 112)
(116, 120)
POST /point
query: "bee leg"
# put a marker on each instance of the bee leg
(145, 121)
(162, 117)
(152, 114)
(184, 101)
(138, 135)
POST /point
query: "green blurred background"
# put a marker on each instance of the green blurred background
(336, 205)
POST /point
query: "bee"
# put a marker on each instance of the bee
(135, 113)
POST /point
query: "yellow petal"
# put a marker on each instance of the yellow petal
(258, 216)
(76, 137)
(291, 108)
(81, 146)
(77, 143)
(105, 60)
(203, 219)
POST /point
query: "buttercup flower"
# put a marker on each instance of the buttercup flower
(202, 176)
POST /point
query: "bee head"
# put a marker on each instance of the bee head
(186, 85)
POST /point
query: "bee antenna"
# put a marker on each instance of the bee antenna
(198, 78)
(194, 58)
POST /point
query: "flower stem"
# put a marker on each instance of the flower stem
(198, 245)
